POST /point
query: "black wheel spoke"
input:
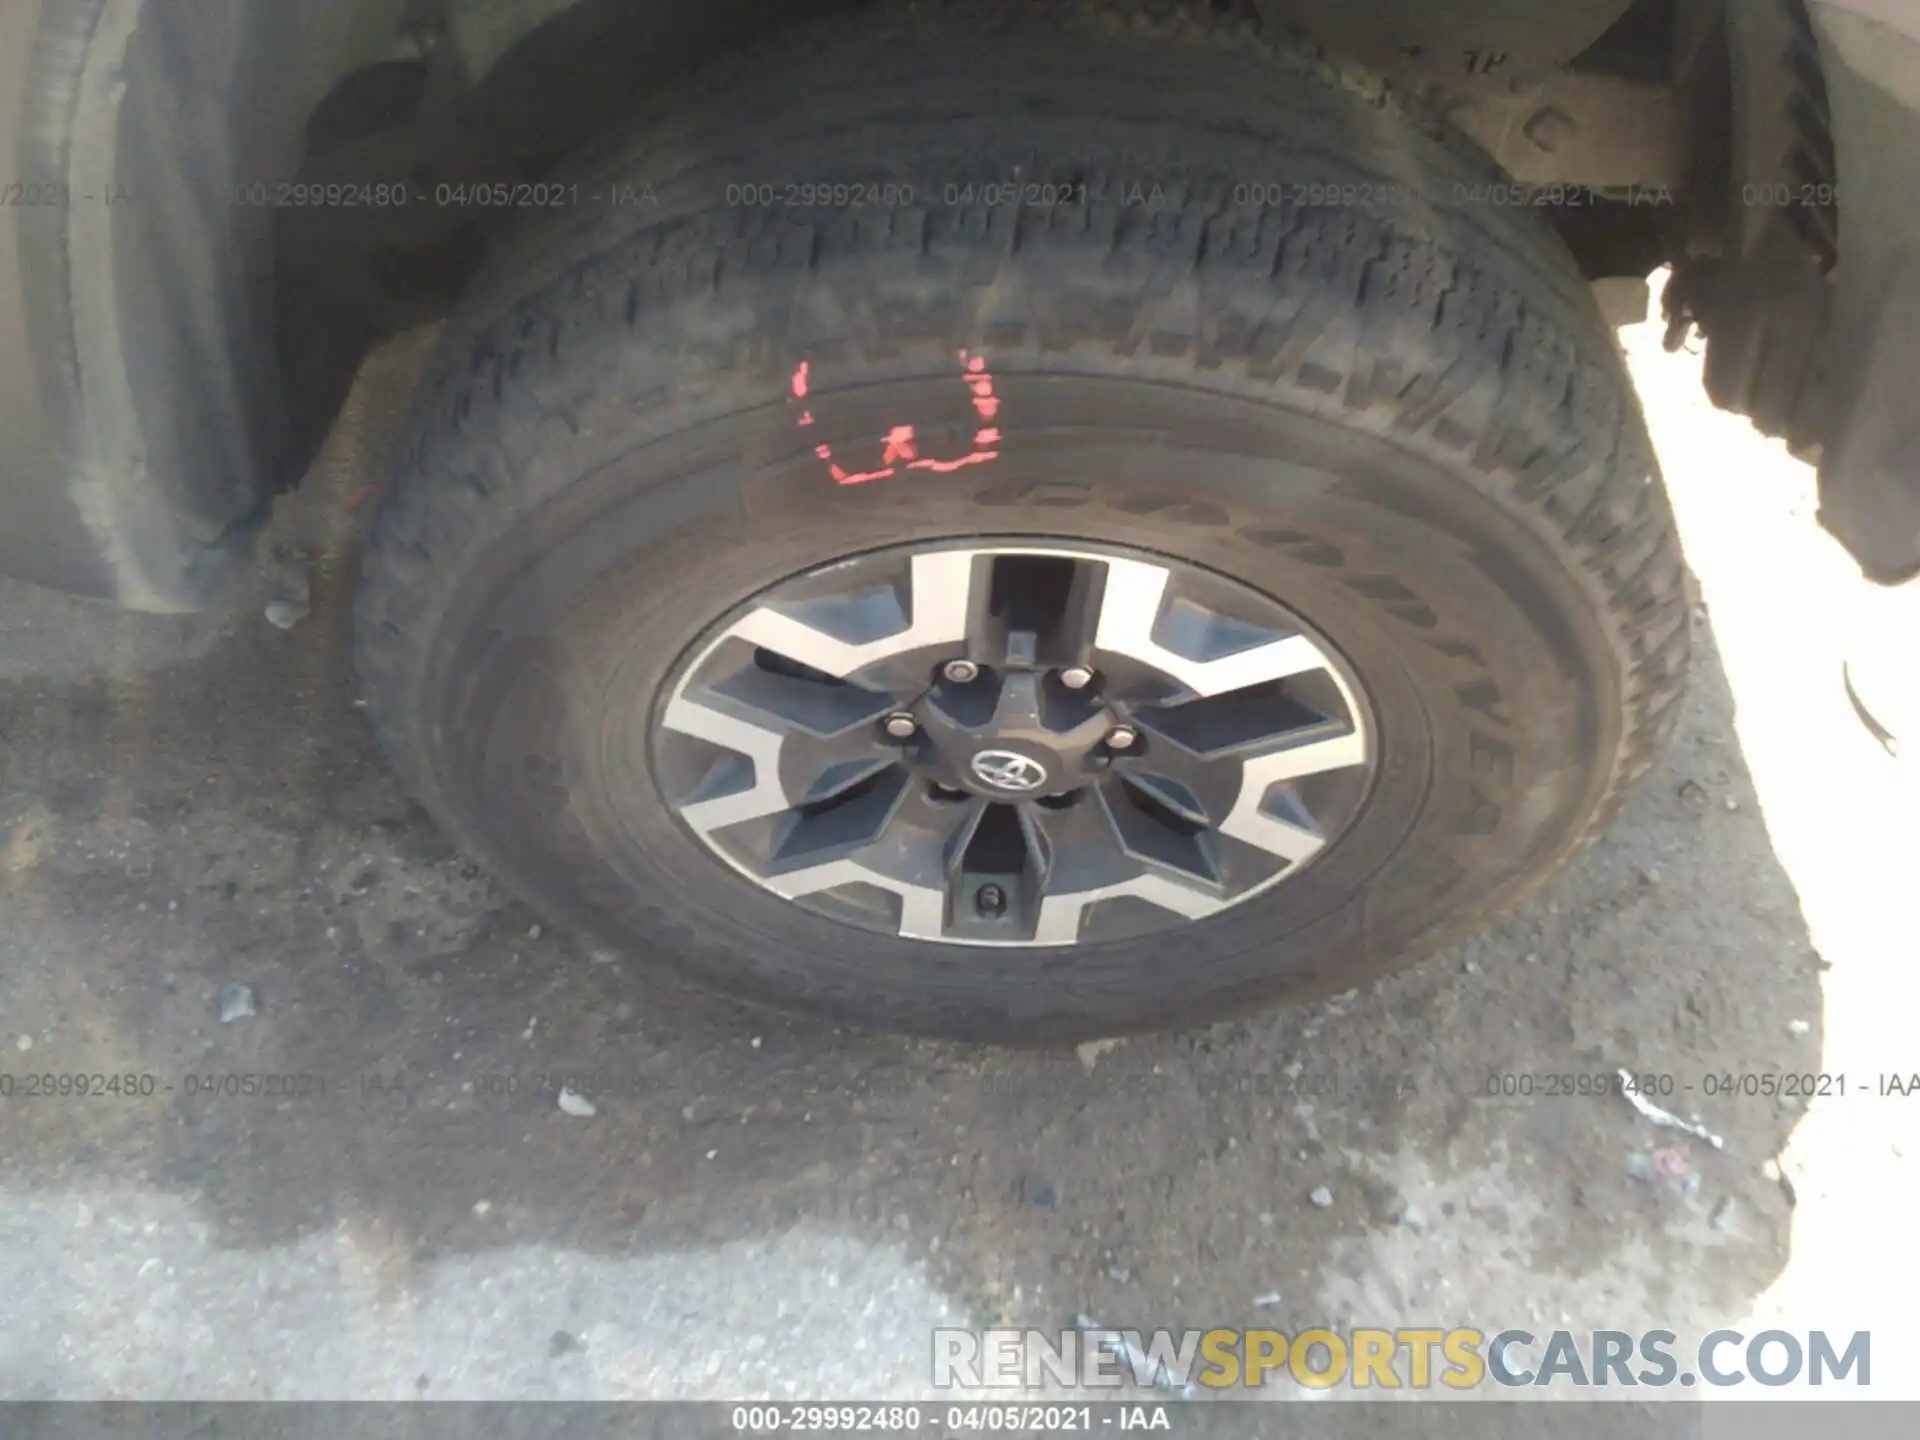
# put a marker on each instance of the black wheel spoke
(906, 850)
(1159, 835)
(793, 696)
(1240, 724)
(997, 871)
(1170, 795)
(1082, 833)
(833, 780)
(1178, 778)
(1015, 745)
(1039, 612)
(842, 826)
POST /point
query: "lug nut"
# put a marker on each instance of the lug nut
(1122, 737)
(900, 725)
(991, 901)
(1076, 677)
(961, 672)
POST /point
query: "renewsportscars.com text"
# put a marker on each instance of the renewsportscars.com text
(1403, 1357)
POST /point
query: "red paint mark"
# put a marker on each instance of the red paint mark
(900, 444)
(862, 477)
(947, 467)
(841, 477)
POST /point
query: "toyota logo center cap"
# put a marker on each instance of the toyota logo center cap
(1008, 770)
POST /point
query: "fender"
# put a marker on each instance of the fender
(139, 388)
(150, 416)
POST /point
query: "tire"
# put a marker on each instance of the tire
(1348, 387)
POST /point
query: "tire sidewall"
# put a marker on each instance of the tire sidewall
(1487, 679)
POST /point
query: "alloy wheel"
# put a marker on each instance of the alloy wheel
(1014, 743)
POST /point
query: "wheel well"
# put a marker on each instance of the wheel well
(1621, 116)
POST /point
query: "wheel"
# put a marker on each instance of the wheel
(1014, 523)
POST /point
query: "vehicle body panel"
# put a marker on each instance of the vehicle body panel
(139, 387)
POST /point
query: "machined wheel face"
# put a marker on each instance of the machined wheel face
(1014, 743)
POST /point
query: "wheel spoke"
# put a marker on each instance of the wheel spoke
(907, 855)
(840, 635)
(834, 780)
(1158, 837)
(728, 795)
(1252, 819)
(789, 696)
(844, 824)
(793, 736)
(1200, 787)
(1239, 724)
(1233, 749)
(1087, 845)
(818, 767)
(1062, 917)
(997, 869)
(1214, 655)
(1099, 860)
(1170, 795)
(1019, 706)
(1038, 613)
(922, 907)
